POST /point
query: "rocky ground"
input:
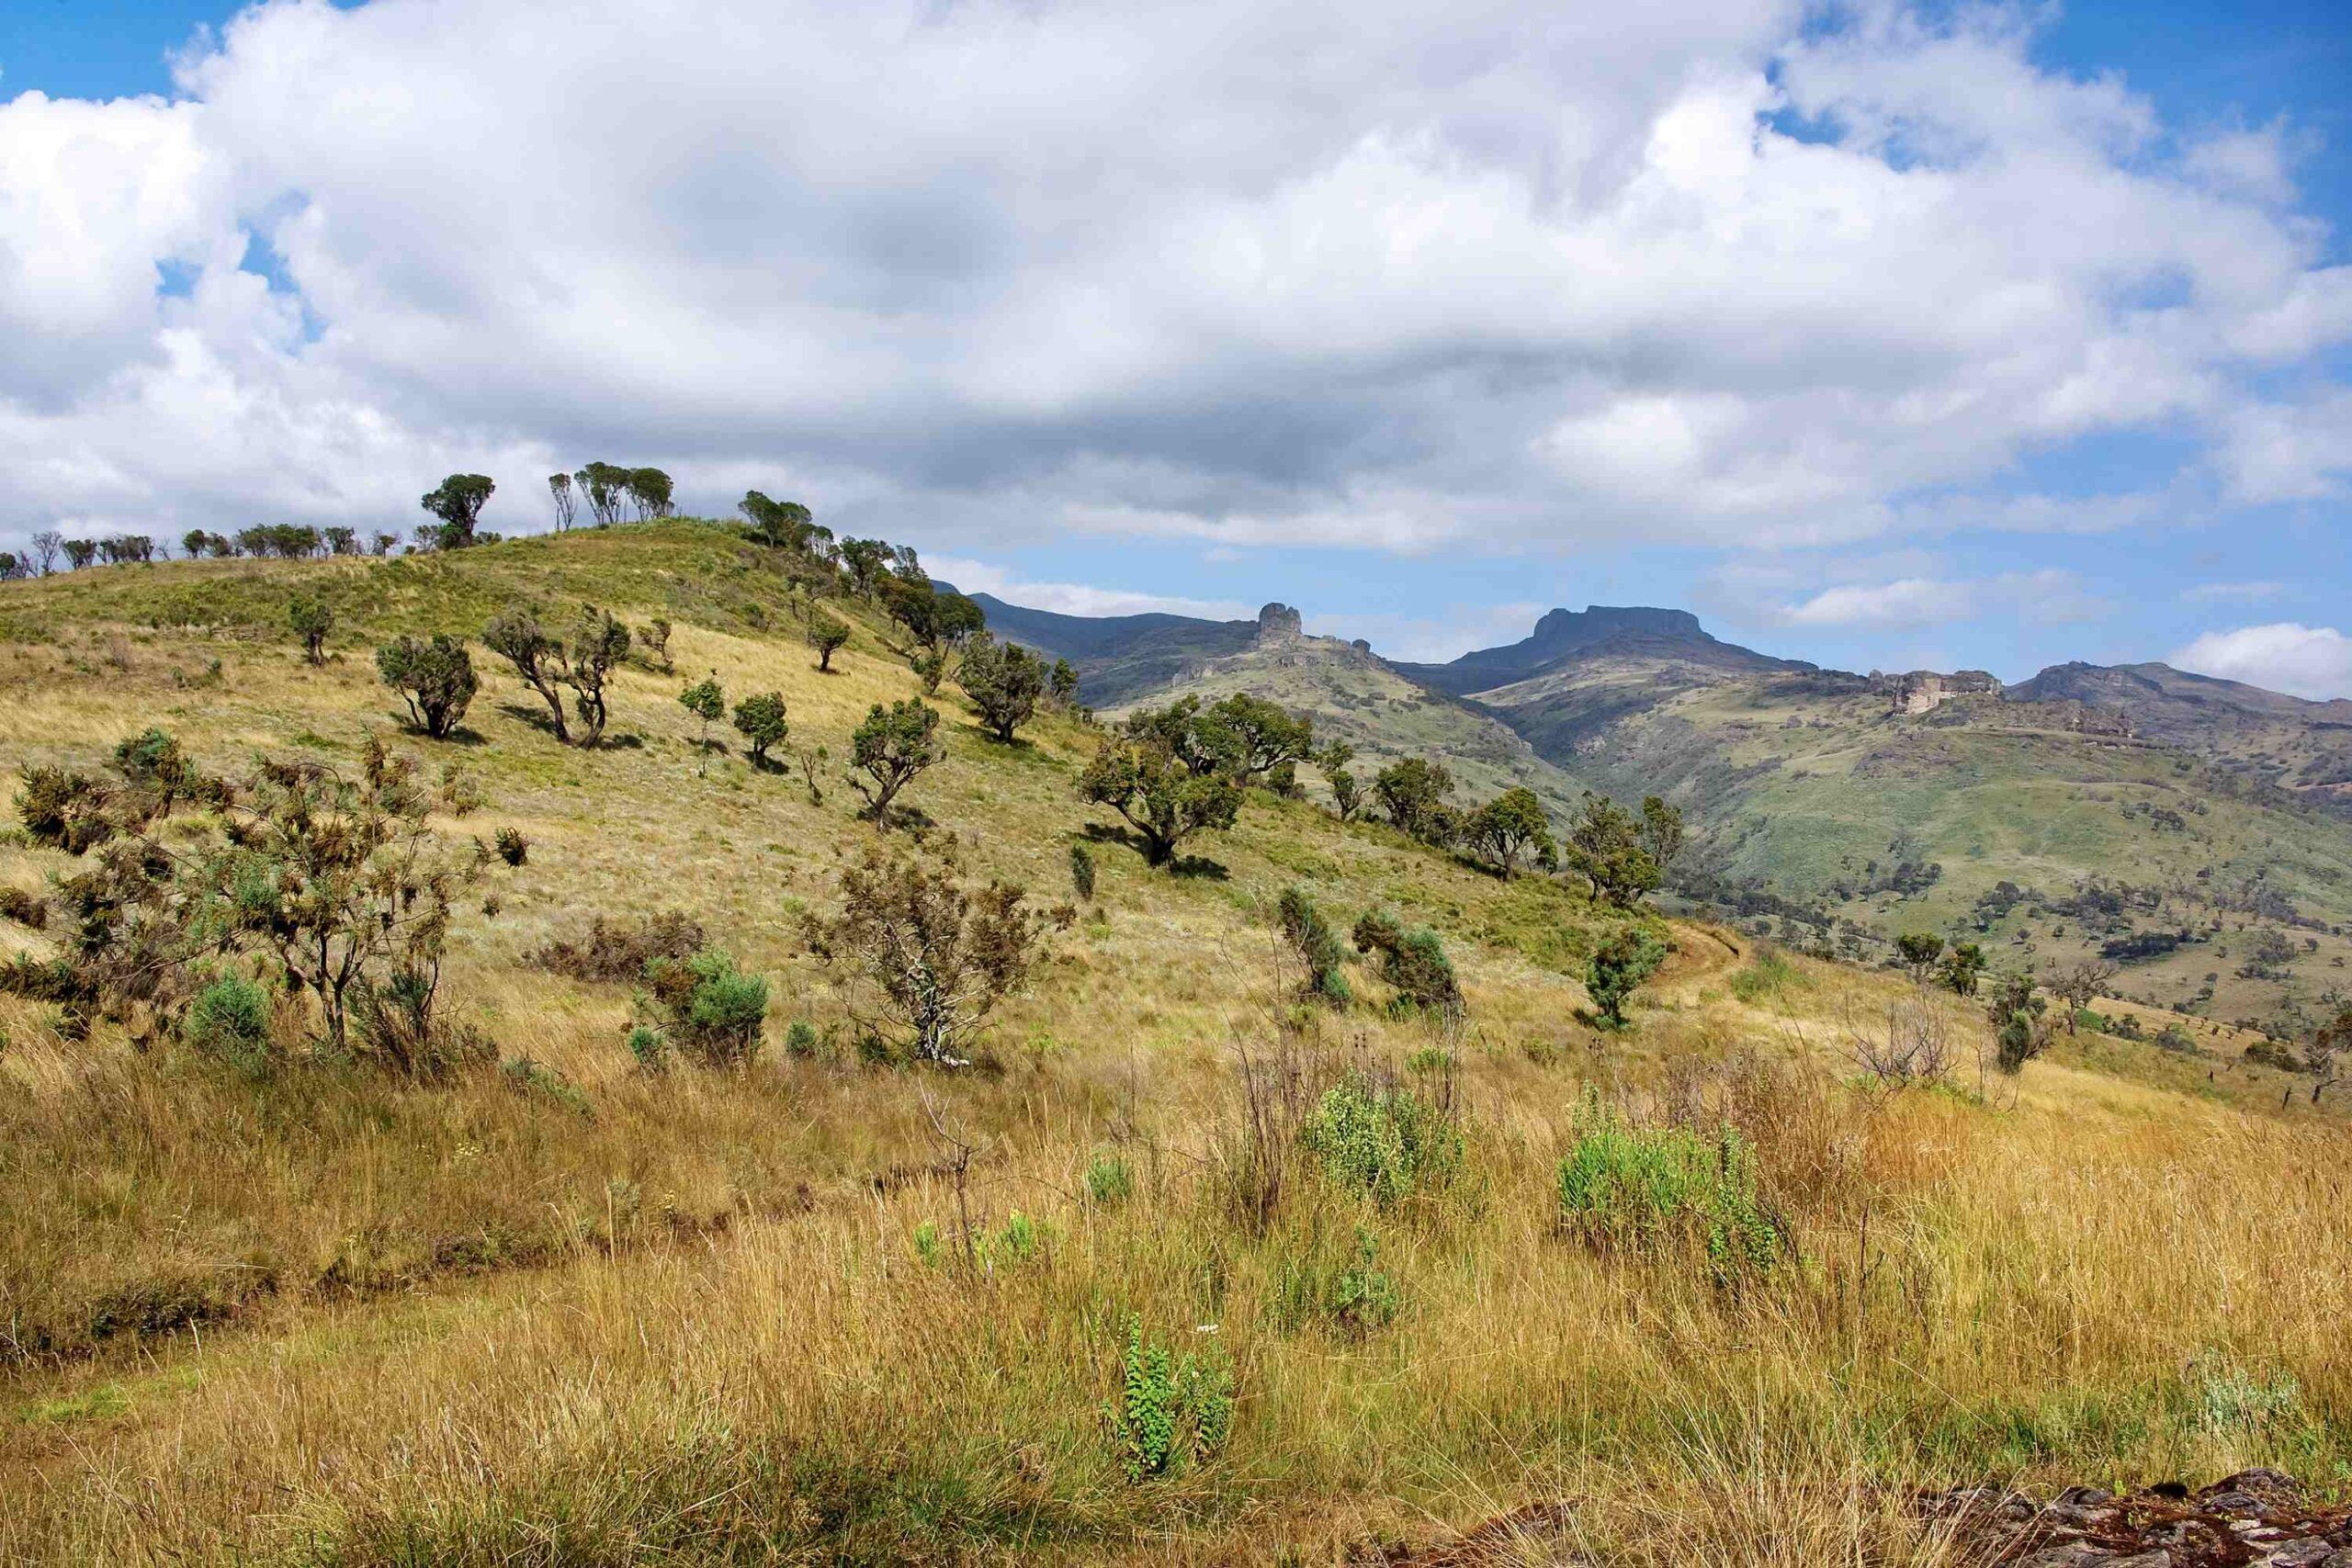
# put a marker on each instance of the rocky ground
(2257, 1519)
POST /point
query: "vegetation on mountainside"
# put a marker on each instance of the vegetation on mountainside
(1176, 1265)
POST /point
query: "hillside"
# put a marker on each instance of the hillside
(562, 1304)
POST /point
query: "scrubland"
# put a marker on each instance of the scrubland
(814, 1309)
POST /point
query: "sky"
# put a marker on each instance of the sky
(1882, 334)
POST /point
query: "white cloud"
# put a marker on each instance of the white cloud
(1076, 599)
(2233, 593)
(2304, 661)
(1909, 603)
(1386, 276)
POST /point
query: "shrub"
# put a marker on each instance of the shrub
(707, 703)
(762, 721)
(229, 1021)
(708, 1006)
(615, 949)
(512, 847)
(1349, 1291)
(1413, 962)
(1385, 1142)
(654, 637)
(24, 908)
(313, 624)
(1617, 969)
(889, 749)
(826, 633)
(1318, 946)
(1168, 1409)
(1082, 872)
(1004, 681)
(1641, 1188)
(1768, 974)
(1109, 1180)
(2020, 1031)
(435, 678)
(646, 1044)
(928, 957)
(800, 1041)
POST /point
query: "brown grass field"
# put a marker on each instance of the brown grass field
(689, 1317)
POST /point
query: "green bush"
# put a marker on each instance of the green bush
(1346, 1289)
(1413, 962)
(1168, 1409)
(229, 1021)
(1387, 1142)
(1109, 1180)
(709, 1007)
(1768, 974)
(1316, 944)
(1618, 967)
(800, 1040)
(1082, 872)
(1643, 1188)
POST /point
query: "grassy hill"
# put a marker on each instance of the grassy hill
(558, 1308)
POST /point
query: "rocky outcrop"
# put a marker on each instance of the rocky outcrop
(1278, 622)
(2257, 1518)
(1923, 691)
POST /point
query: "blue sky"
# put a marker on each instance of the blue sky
(1396, 366)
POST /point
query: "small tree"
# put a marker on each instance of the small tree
(1413, 962)
(654, 637)
(2323, 1054)
(1004, 680)
(567, 505)
(458, 503)
(1168, 775)
(763, 723)
(1063, 683)
(312, 623)
(599, 645)
(1267, 738)
(605, 486)
(2080, 984)
(2020, 1033)
(826, 633)
(1918, 952)
(648, 489)
(46, 544)
(1619, 966)
(435, 679)
(1413, 793)
(516, 634)
(1347, 794)
(782, 524)
(708, 703)
(891, 747)
(1510, 825)
(80, 553)
(928, 957)
(1611, 848)
(1962, 966)
(1317, 945)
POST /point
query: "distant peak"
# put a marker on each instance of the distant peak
(1278, 622)
(1597, 621)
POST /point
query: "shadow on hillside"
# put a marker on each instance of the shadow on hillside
(1182, 865)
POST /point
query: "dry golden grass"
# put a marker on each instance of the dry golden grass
(686, 1318)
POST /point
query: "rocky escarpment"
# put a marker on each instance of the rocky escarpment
(2257, 1518)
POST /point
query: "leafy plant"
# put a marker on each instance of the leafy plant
(1384, 1142)
(435, 679)
(1082, 872)
(1317, 945)
(1642, 1188)
(1413, 962)
(890, 748)
(1109, 1180)
(708, 703)
(511, 846)
(1168, 1409)
(228, 1020)
(1350, 1292)
(708, 1006)
(1004, 681)
(1618, 967)
(762, 721)
(313, 624)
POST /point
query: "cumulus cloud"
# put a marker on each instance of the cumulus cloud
(1388, 276)
(1911, 603)
(1072, 598)
(2304, 661)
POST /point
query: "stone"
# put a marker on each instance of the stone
(1278, 622)
(2307, 1553)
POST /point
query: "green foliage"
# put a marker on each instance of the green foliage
(800, 1041)
(1768, 974)
(1388, 1144)
(1264, 738)
(1082, 872)
(2019, 1031)
(1004, 681)
(762, 721)
(1645, 1187)
(1918, 952)
(228, 1020)
(1413, 962)
(457, 502)
(826, 633)
(1509, 826)
(1623, 855)
(889, 749)
(646, 1044)
(1109, 1180)
(1962, 966)
(435, 679)
(1170, 773)
(313, 624)
(1618, 967)
(782, 524)
(654, 637)
(1347, 794)
(1413, 794)
(1168, 1409)
(708, 1006)
(1317, 945)
(1344, 1288)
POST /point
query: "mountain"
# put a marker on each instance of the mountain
(1565, 635)
(1119, 657)
(2264, 735)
